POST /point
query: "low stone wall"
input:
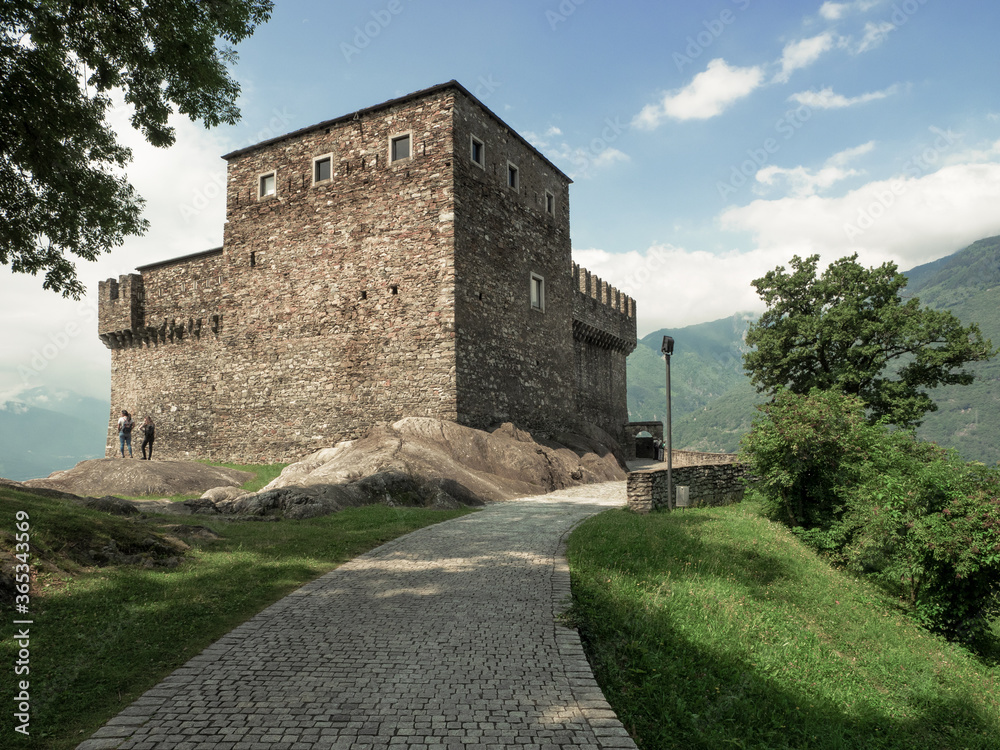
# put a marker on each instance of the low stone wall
(709, 485)
(694, 458)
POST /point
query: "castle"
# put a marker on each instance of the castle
(409, 259)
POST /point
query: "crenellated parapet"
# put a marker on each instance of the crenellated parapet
(120, 304)
(122, 320)
(602, 315)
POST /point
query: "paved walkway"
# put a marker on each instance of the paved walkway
(444, 638)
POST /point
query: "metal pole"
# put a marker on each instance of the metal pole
(670, 448)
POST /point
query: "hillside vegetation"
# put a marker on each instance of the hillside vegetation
(714, 628)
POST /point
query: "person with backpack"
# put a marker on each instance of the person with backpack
(125, 425)
(148, 433)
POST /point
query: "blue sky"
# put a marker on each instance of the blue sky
(709, 142)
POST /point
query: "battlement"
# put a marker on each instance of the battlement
(589, 285)
(120, 304)
(123, 321)
(602, 315)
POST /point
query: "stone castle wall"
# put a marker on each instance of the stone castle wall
(604, 333)
(389, 289)
(514, 361)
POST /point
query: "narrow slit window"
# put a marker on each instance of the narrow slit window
(253, 259)
(550, 203)
(268, 185)
(400, 148)
(513, 177)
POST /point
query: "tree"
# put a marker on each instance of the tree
(906, 514)
(61, 191)
(850, 330)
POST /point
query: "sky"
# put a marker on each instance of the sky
(709, 142)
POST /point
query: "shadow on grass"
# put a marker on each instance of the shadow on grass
(676, 684)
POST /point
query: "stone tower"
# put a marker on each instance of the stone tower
(408, 259)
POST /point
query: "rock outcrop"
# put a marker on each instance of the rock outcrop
(425, 462)
(135, 477)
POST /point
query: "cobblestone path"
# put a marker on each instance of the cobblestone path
(444, 638)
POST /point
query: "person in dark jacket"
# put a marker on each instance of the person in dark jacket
(148, 433)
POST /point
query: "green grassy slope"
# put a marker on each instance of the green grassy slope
(714, 628)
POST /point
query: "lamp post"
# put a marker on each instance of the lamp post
(668, 349)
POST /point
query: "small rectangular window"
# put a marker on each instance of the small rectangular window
(400, 148)
(513, 177)
(322, 168)
(268, 185)
(478, 152)
(550, 203)
(537, 292)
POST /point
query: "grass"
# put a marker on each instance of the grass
(102, 636)
(714, 628)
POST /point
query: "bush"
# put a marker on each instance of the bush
(914, 517)
(926, 526)
(804, 452)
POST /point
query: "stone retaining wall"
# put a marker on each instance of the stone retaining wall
(709, 485)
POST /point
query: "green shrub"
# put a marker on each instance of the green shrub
(804, 452)
(913, 517)
(926, 526)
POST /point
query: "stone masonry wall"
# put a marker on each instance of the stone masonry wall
(335, 299)
(389, 288)
(513, 361)
(709, 485)
(357, 272)
(604, 333)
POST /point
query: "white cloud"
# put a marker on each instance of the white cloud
(849, 154)
(53, 341)
(581, 162)
(709, 93)
(909, 219)
(803, 53)
(673, 286)
(803, 182)
(875, 34)
(835, 11)
(827, 99)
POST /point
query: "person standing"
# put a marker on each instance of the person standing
(125, 425)
(148, 433)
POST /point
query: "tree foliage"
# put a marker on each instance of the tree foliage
(61, 191)
(910, 516)
(850, 329)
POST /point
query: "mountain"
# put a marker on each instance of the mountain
(44, 430)
(966, 284)
(707, 364)
(713, 401)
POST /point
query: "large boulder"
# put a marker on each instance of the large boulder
(134, 477)
(431, 463)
